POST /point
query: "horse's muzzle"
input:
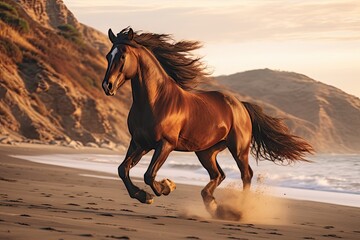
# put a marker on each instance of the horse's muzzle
(108, 88)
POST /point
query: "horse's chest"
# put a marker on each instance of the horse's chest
(142, 133)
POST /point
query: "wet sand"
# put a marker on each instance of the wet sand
(40, 201)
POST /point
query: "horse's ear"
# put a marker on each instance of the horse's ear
(111, 35)
(130, 34)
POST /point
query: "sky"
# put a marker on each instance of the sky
(318, 38)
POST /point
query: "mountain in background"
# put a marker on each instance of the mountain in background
(51, 69)
(324, 115)
(52, 66)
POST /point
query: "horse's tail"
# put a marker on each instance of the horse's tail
(271, 139)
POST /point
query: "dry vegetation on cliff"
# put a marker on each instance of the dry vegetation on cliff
(52, 66)
(51, 79)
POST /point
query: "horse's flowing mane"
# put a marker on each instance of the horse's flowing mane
(186, 69)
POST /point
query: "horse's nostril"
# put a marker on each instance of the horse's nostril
(110, 86)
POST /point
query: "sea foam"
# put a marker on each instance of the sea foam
(331, 178)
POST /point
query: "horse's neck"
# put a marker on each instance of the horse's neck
(151, 82)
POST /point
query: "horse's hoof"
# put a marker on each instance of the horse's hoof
(149, 201)
(144, 197)
(168, 185)
(225, 212)
(211, 207)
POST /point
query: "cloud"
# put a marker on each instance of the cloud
(230, 21)
(319, 38)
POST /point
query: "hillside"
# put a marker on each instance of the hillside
(51, 72)
(326, 116)
(52, 66)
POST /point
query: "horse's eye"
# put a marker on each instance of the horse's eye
(122, 57)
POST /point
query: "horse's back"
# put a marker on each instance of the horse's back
(211, 117)
(226, 105)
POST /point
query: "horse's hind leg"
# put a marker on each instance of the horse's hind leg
(242, 161)
(209, 162)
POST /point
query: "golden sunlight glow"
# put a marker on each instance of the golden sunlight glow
(320, 39)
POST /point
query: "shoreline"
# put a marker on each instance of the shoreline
(53, 202)
(323, 196)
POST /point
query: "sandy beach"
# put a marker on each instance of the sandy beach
(39, 201)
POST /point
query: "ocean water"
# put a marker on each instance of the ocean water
(335, 176)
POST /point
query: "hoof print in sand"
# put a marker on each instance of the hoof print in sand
(106, 214)
(126, 210)
(332, 236)
(192, 237)
(73, 204)
(86, 235)
(116, 237)
(51, 229)
(23, 224)
(274, 233)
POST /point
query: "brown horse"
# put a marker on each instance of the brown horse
(167, 115)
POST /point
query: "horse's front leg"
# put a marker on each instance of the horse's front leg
(133, 156)
(166, 186)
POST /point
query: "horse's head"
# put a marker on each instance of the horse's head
(122, 61)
